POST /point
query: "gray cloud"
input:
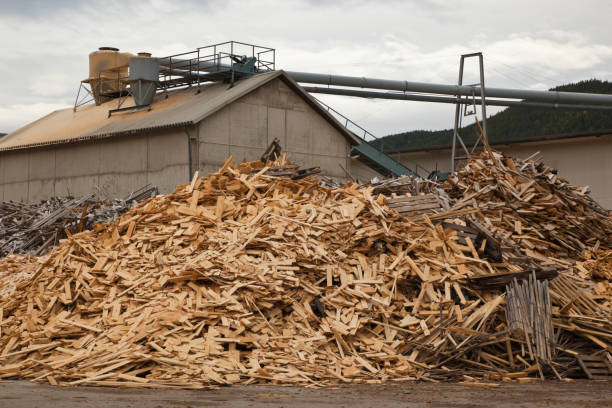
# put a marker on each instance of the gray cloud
(527, 44)
(34, 8)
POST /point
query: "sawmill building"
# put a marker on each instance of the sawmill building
(74, 152)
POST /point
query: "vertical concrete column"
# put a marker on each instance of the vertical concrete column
(193, 149)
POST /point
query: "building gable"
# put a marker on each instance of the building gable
(245, 128)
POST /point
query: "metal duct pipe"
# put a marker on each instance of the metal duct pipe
(185, 64)
(406, 86)
(194, 75)
(552, 97)
(183, 73)
(448, 99)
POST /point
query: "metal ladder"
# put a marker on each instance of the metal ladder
(465, 101)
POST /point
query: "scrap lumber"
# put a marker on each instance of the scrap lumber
(15, 269)
(33, 228)
(530, 205)
(596, 367)
(499, 281)
(412, 206)
(529, 312)
(260, 273)
(273, 151)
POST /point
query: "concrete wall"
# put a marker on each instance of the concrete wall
(115, 166)
(582, 161)
(245, 128)
(363, 173)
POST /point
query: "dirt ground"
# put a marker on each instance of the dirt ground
(21, 394)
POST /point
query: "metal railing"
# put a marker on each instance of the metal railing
(348, 123)
(222, 61)
(214, 62)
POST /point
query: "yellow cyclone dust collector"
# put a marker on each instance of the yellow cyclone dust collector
(108, 73)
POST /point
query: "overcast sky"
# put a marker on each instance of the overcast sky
(532, 44)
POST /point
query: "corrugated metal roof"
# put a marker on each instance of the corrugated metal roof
(181, 108)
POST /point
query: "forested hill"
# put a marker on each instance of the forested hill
(514, 123)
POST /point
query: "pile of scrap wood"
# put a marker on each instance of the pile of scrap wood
(529, 204)
(250, 275)
(33, 228)
(404, 185)
(412, 196)
(15, 269)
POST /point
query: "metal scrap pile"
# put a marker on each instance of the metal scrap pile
(250, 275)
(34, 228)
